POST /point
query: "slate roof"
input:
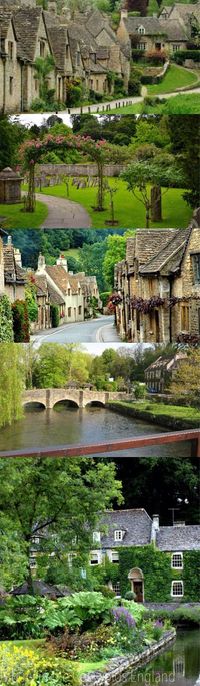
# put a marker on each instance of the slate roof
(54, 297)
(145, 244)
(26, 21)
(58, 36)
(60, 277)
(12, 271)
(168, 260)
(135, 523)
(41, 284)
(175, 30)
(96, 22)
(5, 19)
(165, 362)
(179, 538)
(40, 588)
(151, 25)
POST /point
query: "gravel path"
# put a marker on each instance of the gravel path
(64, 214)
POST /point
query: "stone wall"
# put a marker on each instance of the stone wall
(82, 397)
(54, 172)
(119, 669)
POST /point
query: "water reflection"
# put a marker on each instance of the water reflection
(69, 426)
(179, 664)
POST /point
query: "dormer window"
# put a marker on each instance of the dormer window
(196, 267)
(119, 535)
(177, 560)
(141, 30)
(96, 537)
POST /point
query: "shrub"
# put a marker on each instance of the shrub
(55, 318)
(156, 56)
(105, 297)
(6, 321)
(181, 55)
(140, 391)
(74, 95)
(134, 82)
(20, 321)
(19, 665)
(130, 595)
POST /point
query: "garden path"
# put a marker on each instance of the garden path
(64, 214)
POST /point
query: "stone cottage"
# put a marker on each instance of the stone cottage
(66, 285)
(83, 47)
(90, 290)
(155, 562)
(157, 286)
(161, 372)
(12, 276)
(141, 33)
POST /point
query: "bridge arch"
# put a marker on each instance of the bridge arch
(66, 403)
(95, 403)
(33, 405)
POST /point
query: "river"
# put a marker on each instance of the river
(74, 426)
(179, 664)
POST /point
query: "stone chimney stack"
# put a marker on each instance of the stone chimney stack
(155, 527)
(62, 262)
(18, 257)
(65, 16)
(52, 7)
(124, 13)
(41, 264)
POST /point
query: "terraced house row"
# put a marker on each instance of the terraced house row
(157, 286)
(84, 48)
(54, 286)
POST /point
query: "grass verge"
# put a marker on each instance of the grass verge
(13, 216)
(175, 412)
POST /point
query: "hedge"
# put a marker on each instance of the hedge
(181, 55)
(20, 321)
(55, 317)
(6, 321)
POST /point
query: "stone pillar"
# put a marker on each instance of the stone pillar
(81, 397)
(48, 399)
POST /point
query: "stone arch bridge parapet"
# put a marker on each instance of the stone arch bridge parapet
(49, 397)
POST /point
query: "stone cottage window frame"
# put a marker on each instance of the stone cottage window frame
(177, 583)
(196, 267)
(118, 536)
(96, 537)
(174, 560)
(141, 30)
(94, 558)
(114, 556)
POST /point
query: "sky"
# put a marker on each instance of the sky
(98, 348)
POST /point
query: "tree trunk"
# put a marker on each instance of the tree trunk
(100, 187)
(30, 586)
(147, 214)
(156, 204)
(30, 206)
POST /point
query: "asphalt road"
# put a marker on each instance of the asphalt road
(99, 330)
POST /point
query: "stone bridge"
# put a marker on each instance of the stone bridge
(79, 397)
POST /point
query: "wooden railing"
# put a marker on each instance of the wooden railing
(193, 436)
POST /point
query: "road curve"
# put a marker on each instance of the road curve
(93, 330)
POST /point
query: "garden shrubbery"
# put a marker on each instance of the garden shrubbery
(6, 320)
(20, 321)
(24, 666)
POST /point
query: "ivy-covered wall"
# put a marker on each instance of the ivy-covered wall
(158, 573)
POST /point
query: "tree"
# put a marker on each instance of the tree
(54, 501)
(147, 173)
(185, 141)
(92, 257)
(43, 67)
(58, 364)
(186, 381)
(11, 136)
(11, 383)
(116, 248)
(6, 320)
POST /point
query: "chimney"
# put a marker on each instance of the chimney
(155, 527)
(124, 13)
(18, 257)
(65, 16)
(52, 7)
(41, 264)
(62, 262)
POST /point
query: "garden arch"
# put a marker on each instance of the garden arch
(136, 577)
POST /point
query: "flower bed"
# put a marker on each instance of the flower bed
(118, 667)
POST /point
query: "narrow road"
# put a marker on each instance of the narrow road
(98, 330)
(64, 214)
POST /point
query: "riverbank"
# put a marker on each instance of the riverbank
(171, 416)
(118, 668)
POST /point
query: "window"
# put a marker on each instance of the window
(74, 540)
(69, 311)
(116, 588)
(141, 30)
(35, 540)
(10, 49)
(94, 558)
(96, 536)
(141, 46)
(177, 560)
(115, 556)
(196, 267)
(177, 589)
(118, 535)
(80, 309)
(11, 85)
(69, 291)
(42, 48)
(175, 47)
(33, 563)
(70, 558)
(185, 317)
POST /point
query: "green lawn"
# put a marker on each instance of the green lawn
(129, 212)
(179, 104)
(160, 409)
(16, 218)
(176, 77)
(72, 252)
